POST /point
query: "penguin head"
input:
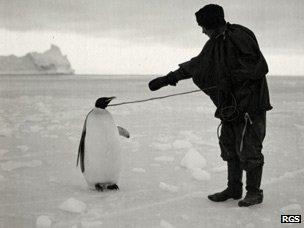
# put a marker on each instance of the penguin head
(103, 102)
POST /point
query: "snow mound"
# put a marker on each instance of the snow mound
(291, 207)
(164, 159)
(139, 170)
(11, 165)
(200, 175)
(182, 144)
(85, 224)
(73, 205)
(193, 160)
(165, 224)
(167, 187)
(43, 221)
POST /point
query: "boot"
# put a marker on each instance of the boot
(234, 189)
(254, 194)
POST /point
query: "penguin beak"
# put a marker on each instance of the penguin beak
(110, 98)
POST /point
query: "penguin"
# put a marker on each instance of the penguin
(99, 150)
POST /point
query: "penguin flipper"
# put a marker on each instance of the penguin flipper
(123, 132)
(80, 156)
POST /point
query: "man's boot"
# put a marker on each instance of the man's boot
(234, 189)
(254, 194)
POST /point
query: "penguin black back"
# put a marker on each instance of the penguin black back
(103, 102)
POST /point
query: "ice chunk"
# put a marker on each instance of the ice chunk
(73, 205)
(3, 151)
(85, 224)
(23, 148)
(250, 225)
(155, 165)
(176, 168)
(219, 169)
(35, 128)
(34, 118)
(193, 160)
(200, 175)
(165, 224)
(2, 178)
(162, 146)
(192, 137)
(43, 221)
(6, 131)
(300, 127)
(291, 207)
(185, 217)
(139, 170)
(164, 159)
(182, 144)
(11, 165)
(167, 187)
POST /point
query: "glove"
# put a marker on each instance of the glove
(158, 83)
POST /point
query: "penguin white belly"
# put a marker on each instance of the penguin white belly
(102, 157)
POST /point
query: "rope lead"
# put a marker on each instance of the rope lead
(161, 97)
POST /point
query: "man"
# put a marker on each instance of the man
(231, 70)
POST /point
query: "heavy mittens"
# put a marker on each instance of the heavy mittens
(158, 83)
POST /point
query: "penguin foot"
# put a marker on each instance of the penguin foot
(99, 188)
(113, 187)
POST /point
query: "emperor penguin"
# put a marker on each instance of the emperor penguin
(99, 150)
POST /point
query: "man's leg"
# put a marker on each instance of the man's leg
(252, 160)
(228, 153)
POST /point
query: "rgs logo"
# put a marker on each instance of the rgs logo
(290, 218)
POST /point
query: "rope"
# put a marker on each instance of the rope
(247, 118)
(161, 97)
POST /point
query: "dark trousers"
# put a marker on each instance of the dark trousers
(242, 140)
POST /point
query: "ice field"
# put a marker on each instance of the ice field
(170, 163)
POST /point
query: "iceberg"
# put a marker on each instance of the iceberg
(51, 61)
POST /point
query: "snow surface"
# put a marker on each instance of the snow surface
(291, 208)
(41, 121)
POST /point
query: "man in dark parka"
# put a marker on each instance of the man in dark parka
(231, 70)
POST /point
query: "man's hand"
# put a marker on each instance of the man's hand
(158, 83)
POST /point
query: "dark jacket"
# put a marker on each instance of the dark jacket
(231, 70)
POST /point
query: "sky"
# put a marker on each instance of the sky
(146, 36)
